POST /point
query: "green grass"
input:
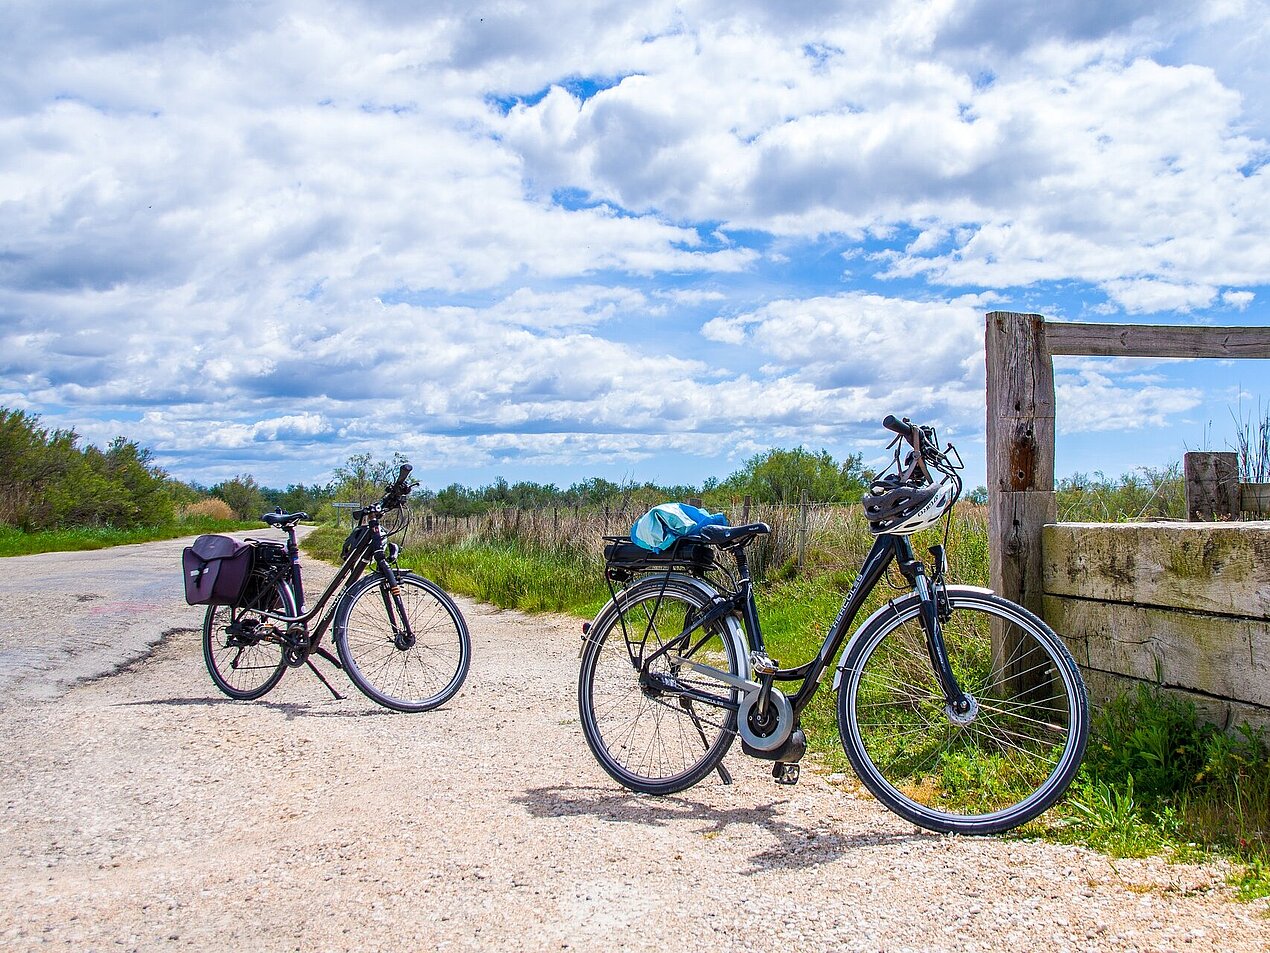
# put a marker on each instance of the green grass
(14, 542)
(1157, 777)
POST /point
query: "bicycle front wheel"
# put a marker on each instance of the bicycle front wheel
(641, 726)
(408, 652)
(995, 767)
(241, 647)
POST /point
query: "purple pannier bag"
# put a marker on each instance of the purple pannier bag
(216, 570)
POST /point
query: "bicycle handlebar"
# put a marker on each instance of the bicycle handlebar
(902, 427)
(399, 489)
(925, 449)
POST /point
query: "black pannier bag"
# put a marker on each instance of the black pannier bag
(216, 569)
(623, 559)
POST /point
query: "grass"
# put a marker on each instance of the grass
(15, 542)
(1156, 777)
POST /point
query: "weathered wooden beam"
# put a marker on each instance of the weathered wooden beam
(1020, 433)
(1156, 340)
(1211, 481)
(1254, 498)
(1215, 568)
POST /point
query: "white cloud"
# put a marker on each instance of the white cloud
(1239, 300)
(492, 234)
(1089, 400)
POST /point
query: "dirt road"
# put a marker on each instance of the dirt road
(141, 810)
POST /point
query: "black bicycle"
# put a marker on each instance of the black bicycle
(400, 637)
(959, 710)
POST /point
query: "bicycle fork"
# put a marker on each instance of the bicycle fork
(402, 636)
(960, 707)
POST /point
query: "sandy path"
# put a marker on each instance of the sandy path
(142, 810)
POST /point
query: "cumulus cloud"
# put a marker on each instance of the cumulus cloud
(548, 233)
(1091, 399)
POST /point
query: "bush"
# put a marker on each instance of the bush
(48, 482)
(211, 508)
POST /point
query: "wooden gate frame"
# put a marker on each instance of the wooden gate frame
(1019, 350)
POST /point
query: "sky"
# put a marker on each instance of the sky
(640, 240)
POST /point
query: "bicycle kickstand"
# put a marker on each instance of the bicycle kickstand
(322, 678)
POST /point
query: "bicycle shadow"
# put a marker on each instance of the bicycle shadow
(796, 845)
(289, 710)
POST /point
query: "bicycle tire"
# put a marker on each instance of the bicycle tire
(242, 667)
(640, 736)
(1009, 761)
(408, 678)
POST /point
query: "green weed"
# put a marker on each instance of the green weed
(15, 542)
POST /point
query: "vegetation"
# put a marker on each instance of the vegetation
(1157, 776)
(1148, 493)
(47, 481)
(1252, 445)
(16, 542)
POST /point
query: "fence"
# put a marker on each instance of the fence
(1185, 605)
(797, 529)
(1213, 490)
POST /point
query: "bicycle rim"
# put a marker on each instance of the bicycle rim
(653, 739)
(1007, 761)
(386, 666)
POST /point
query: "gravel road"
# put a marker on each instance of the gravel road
(143, 811)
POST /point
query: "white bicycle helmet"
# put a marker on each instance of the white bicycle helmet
(900, 507)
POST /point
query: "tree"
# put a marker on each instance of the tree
(362, 478)
(783, 476)
(46, 481)
(243, 495)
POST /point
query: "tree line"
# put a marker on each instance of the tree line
(50, 479)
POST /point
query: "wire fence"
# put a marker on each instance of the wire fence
(805, 536)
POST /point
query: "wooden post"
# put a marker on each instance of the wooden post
(1020, 434)
(1212, 485)
(745, 510)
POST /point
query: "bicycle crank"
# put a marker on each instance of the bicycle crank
(764, 731)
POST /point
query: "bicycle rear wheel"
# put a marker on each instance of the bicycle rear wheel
(1003, 763)
(643, 730)
(414, 668)
(244, 656)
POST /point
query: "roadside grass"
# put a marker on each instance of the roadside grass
(14, 542)
(1156, 777)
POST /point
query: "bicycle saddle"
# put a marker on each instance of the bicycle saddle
(283, 519)
(726, 537)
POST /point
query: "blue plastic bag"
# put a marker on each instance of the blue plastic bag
(663, 524)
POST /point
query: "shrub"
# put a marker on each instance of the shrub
(211, 508)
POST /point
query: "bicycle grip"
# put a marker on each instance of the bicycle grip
(895, 425)
(404, 472)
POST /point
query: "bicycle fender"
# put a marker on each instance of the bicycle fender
(699, 587)
(899, 606)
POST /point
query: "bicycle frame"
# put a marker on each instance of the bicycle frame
(372, 548)
(886, 549)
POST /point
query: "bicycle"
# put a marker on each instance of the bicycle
(959, 710)
(399, 637)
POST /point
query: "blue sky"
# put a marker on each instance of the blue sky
(640, 240)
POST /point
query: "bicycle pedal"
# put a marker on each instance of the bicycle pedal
(785, 772)
(762, 664)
